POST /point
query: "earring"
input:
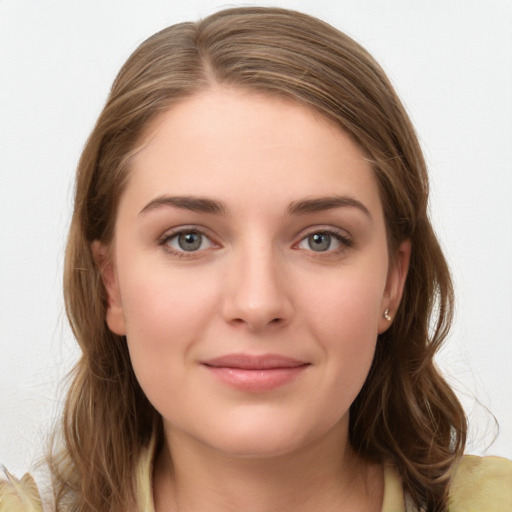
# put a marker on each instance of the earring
(386, 315)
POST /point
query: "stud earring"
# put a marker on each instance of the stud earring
(386, 315)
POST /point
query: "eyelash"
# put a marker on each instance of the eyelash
(169, 235)
(345, 241)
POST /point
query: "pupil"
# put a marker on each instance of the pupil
(189, 241)
(319, 241)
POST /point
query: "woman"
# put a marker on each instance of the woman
(256, 288)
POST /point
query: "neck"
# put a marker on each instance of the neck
(316, 477)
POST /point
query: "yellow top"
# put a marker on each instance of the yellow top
(480, 484)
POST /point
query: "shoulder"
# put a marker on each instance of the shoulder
(481, 484)
(19, 495)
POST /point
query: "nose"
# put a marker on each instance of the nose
(257, 294)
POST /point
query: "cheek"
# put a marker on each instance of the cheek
(346, 306)
(165, 316)
(343, 317)
(164, 302)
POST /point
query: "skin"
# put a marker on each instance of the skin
(254, 286)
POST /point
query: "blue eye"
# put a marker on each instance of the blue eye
(319, 241)
(188, 241)
(324, 241)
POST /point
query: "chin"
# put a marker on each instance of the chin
(255, 438)
(258, 446)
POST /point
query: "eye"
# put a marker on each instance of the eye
(325, 241)
(189, 240)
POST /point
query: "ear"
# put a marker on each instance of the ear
(397, 275)
(115, 315)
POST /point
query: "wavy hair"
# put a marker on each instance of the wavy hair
(405, 413)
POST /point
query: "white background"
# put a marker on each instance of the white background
(451, 62)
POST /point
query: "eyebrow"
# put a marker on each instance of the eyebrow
(192, 203)
(326, 203)
(206, 205)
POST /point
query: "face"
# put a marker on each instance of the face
(250, 272)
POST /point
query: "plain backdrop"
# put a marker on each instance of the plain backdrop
(451, 63)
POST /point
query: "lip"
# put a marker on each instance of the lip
(255, 373)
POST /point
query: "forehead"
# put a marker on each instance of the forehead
(243, 147)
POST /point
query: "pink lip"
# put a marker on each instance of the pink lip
(255, 373)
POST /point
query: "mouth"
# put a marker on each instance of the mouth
(255, 373)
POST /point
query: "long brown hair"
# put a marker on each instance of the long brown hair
(406, 412)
